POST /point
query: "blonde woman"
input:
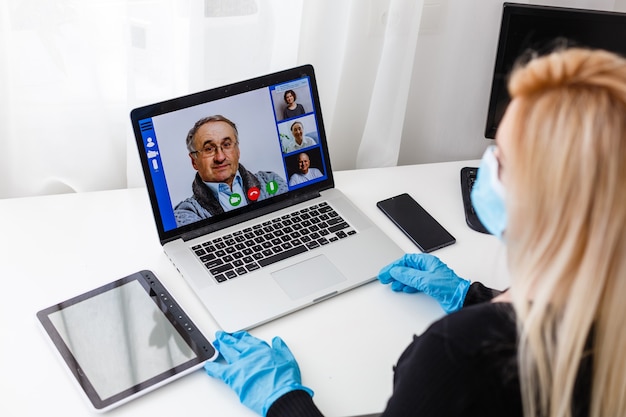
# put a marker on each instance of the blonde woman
(554, 345)
(563, 164)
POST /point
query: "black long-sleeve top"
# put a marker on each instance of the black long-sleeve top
(464, 364)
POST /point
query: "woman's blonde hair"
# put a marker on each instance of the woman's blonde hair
(566, 235)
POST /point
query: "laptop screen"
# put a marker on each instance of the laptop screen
(229, 151)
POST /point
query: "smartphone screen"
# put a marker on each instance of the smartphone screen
(416, 223)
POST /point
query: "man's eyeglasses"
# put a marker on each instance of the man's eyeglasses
(210, 150)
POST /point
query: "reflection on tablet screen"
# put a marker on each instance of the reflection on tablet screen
(125, 338)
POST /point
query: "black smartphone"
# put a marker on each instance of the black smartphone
(416, 222)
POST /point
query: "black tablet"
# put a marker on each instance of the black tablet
(125, 339)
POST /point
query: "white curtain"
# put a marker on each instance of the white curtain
(364, 54)
(71, 70)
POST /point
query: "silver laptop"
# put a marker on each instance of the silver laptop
(243, 196)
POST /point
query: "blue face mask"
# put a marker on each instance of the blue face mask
(488, 195)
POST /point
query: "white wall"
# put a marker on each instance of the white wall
(71, 71)
(451, 80)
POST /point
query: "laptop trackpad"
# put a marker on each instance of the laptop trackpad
(308, 277)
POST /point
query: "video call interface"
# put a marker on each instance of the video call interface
(275, 136)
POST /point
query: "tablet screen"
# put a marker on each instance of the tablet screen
(125, 338)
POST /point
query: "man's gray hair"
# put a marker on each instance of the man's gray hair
(205, 120)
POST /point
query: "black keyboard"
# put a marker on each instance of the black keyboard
(265, 243)
(468, 177)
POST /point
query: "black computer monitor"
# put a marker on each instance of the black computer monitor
(540, 29)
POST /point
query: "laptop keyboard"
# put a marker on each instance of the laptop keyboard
(265, 243)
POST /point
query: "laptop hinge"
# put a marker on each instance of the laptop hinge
(288, 202)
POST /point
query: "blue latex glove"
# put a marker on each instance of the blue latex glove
(426, 273)
(257, 372)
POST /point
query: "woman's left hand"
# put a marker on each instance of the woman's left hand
(257, 372)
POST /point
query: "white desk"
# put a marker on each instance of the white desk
(55, 247)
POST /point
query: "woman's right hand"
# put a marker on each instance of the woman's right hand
(428, 274)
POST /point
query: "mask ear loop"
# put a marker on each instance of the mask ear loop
(488, 195)
(494, 168)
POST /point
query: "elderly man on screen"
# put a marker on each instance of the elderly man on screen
(299, 141)
(306, 173)
(221, 183)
